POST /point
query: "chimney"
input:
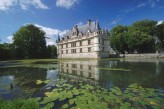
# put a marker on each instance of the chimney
(88, 21)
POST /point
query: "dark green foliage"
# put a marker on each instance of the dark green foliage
(141, 42)
(6, 51)
(145, 26)
(118, 38)
(20, 104)
(140, 37)
(30, 40)
(86, 96)
(52, 51)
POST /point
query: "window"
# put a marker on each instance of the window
(81, 43)
(67, 65)
(89, 49)
(80, 50)
(73, 51)
(73, 44)
(66, 51)
(62, 52)
(66, 45)
(90, 74)
(74, 66)
(74, 72)
(89, 42)
(103, 42)
(62, 46)
(81, 66)
(81, 73)
(99, 40)
(103, 49)
(89, 67)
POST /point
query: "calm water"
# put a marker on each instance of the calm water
(146, 72)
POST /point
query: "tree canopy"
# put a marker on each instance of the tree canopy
(140, 37)
(30, 41)
(118, 38)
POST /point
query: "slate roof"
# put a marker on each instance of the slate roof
(92, 26)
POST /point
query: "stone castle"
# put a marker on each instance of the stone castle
(86, 41)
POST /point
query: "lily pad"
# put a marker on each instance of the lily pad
(38, 82)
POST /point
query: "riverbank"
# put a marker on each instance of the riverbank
(146, 55)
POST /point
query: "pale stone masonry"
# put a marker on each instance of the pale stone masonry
(86, 41)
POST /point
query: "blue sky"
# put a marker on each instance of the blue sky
(55, 16)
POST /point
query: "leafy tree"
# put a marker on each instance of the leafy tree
(118, 38)
(141, 36)
(145, 26)
(140, 42)
(160, 34)
(30, 41)
(6, 51)
(52, 51)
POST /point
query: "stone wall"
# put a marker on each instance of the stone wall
(147, 55)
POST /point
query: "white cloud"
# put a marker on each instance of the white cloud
(6, 4)
(152, 3)
(115, 21)
(66, 3)
(160, 22)
(134, 8)
(80, 24)
(36, 3)
(51, 34)
(10, 39)
(24, 4)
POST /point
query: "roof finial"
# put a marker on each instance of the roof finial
(89, 21)
(58, 39)
(97, 25)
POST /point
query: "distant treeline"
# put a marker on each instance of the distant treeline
(29, 42)
(146, 36)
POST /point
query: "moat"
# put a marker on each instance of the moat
(107, 73)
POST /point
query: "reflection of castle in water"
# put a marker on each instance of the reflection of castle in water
(80, 70)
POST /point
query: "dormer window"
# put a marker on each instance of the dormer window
(80, 34)
(88, 32)
(75, 31)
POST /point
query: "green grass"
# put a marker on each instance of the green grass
(19, 104)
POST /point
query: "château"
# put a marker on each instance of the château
(86, 41)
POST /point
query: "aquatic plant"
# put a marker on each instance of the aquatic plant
(85, 96)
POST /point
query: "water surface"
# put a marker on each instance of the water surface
(146, 72)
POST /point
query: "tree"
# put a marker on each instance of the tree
(146, 26)
(118, 37)
(6, 51)
(51, 51)
(30, 41)
(160, 34)
(141, 36)
(140, 42)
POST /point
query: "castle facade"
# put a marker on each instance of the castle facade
(86, 41)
